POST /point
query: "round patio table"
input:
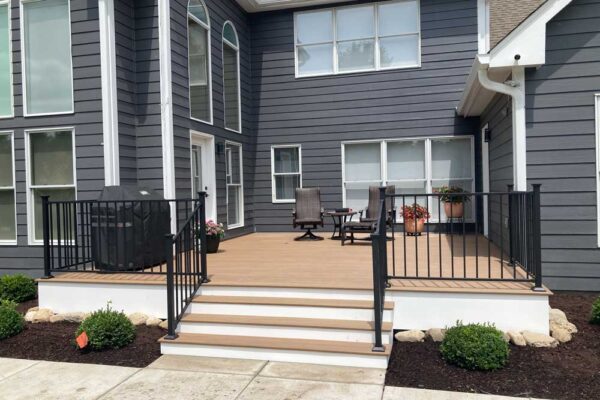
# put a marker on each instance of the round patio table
(339, 218)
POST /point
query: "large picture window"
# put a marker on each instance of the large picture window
(6, 105)
(46, 49)
(367, 37)
(50, 172)
(8, 226)
(234, 178)
(199, 61)
(231, 78)
(286, 171)
(413, 166)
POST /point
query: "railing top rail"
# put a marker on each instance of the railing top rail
(185, 226)
(119, 201)
(455, 194)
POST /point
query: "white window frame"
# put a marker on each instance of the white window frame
(240, 185)
(428, 162)
(209, 61)
(225, 42)
(30, 188)
(274, 174)
(597, 129)
(10, 61)
(11, 242)
(26, 112)
(334, 40)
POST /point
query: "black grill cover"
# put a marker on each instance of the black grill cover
(129, 224)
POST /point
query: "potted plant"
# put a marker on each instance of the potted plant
(214, 234)
(414, 218)
(453, 200)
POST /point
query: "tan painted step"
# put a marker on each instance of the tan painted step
(285, 301)
(284, 321)
(326, 346)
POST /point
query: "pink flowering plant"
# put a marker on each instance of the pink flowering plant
(214, 229)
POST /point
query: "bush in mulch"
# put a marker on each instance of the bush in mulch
(17, 288)
(107, 329)
(595, 318)
(11, 322)
(475, 347)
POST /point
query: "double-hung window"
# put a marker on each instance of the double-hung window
(6, 105)
(46, 57)
(50, 172)
(286, 171)
(199, 61)
(234, 178)
(413, 166)
(367, 37)
(231, 78)
(8, 226)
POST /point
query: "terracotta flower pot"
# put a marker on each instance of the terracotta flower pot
(454, 210)
(212, 243)
(413, 226)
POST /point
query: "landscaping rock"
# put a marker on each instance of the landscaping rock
(539, 340)
(506, 337)
(558, 320)
(152, 321)
(436, 334)
(138, 318)
(57, 318)
(410, 336)
(562, 335)
(40, 315)
(516, 338)
(164, 324)
(74, 317)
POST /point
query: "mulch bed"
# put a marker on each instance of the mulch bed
(55, 342)
(570, 371)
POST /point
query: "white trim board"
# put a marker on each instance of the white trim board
(597, 142)
(7, 3)
(209, 174)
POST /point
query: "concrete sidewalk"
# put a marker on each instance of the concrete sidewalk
(185, 378)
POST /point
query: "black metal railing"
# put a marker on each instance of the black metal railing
(455, 244)
(186, 265)
(380, 258)
(109, 236)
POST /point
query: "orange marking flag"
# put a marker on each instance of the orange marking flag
(82, 340)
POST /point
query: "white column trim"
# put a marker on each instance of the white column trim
(108, 67)
(166, 102)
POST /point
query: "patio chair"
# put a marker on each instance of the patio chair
(366, 224)
(308, 213)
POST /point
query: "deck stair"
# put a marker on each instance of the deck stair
(294, 329)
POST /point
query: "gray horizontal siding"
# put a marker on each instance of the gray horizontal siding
(319, 113)
(561, 146)
(87, 121)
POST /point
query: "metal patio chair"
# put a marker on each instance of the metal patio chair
(308, 213)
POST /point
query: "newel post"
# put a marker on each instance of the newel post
(537, 237)
(46, 232)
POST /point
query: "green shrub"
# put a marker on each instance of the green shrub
(475, 347)
(11, 322)
(595, 318)
(107, 329)
(17, 288)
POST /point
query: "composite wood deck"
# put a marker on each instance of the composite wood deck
(276, 260)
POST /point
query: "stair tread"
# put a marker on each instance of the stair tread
(285, 321)
(290, 301)
(327, 346)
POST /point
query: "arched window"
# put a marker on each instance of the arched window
(231, 78)
(199, 61)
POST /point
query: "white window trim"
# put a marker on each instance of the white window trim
(241, 185)
(26, 113)
(597, 129)
(11, 242)
(428, 178)
(334, 41)
(239, 91)
(483, 25)
(274, 198)
(10, 62)
(30, 200)
(208, 60)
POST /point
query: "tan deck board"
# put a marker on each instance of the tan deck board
(288, 301)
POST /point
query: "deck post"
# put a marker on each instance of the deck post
(203, 262)
(511, 209)
(171, 335)
(537, 238)
(46, 232)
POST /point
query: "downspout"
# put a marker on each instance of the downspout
(516, 90)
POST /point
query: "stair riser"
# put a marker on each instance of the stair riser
(344, 335)
(340, 294)
(349, 360)
(287, 311)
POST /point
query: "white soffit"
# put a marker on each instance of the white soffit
(268, 5)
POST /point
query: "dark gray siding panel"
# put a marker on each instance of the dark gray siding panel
(320, 113)
(219, 12)
(87, 121)
(561, 143)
